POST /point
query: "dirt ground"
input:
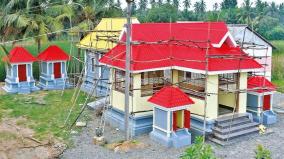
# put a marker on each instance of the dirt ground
(18, 142)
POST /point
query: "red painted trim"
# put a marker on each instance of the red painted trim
(266, 102)
(22, 71)
(175, 121)
(187, 119)
(57, 70)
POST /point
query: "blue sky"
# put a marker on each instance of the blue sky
(209, 3)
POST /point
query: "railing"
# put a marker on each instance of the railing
(193, 87)
(150, 86)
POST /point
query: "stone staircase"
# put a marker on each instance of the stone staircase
(228, 128)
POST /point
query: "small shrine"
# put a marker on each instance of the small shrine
(19, 72)
(53, 71)
(171, 119)
(260, 100)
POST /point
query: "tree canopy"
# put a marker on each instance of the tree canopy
(25, 18)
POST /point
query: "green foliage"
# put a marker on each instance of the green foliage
(277, 33)
(199, 150)
(226, 4)
(263, 25)
(163, 13)
(262, 153)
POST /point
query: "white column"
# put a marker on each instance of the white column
(17, 77)
(258, 105)
(168, 123)
(271, 102)
(52, 70)
(27, 72)
(154, 118)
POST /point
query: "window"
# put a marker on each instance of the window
(228, 78)
(151, 82)
(228, 81)
(192, 83)
(93, 64)
(119, 81)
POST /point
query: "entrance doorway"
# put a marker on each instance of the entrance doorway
(22, 71)
(266, 102)
(57, 70)
(181, 119)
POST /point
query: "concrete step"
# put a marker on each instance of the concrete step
(232, 123)
(236, 134)
(234, 128)
(228, 118)
(221, 142)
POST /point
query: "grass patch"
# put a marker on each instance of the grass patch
(279, 84)
(43, 119)
(6, 136)
(278, 65)
(279, 44)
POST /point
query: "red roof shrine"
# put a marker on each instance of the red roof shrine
(170, 97)
(19, 55)
(181, 46)
(262, 83)
(53, 53)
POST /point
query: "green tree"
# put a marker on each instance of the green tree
(266, 24)
(143, 5)
(260, 7)
(153, 3)
(227, 4)
(163, 13)
(186, 4)
(176, 3)
(160, 2)
(246, 12)
(272, 10)
(199, 9)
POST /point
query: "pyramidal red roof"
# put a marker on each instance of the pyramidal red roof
(53, 53)
(262, 83)
(170, 97)
(182, 46)
(19, 55)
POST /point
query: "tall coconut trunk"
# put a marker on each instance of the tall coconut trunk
(38, 46)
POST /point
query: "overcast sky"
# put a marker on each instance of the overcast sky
(209, 3)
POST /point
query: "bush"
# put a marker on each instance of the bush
(163, 13)
(262, 153)
(277, 33)
(199, 150)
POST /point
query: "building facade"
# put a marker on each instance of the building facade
(53, 71)
(104, 37)
(175, 53)
(19, 71)
(254, 45)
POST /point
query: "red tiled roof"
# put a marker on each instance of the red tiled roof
(19, 55)
(178, 48)
(260, 82)
(170, 97)
(53, 53)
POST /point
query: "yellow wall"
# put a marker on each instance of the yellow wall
(198, 106)
(243, 95)
(227, 99)
(212, 98)
(180, 118)
(141, 103)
